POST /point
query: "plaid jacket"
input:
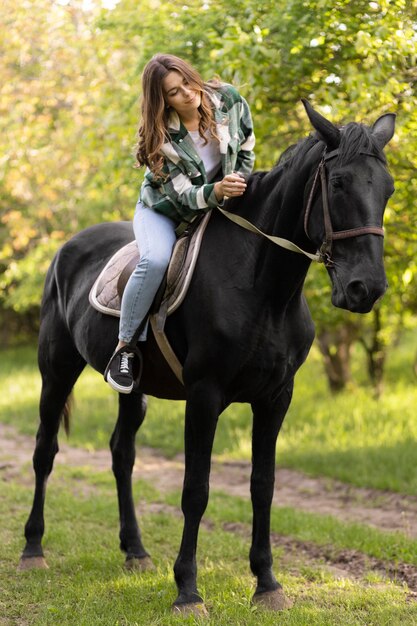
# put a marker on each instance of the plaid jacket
(186, 190)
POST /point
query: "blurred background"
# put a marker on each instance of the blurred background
(69, 109)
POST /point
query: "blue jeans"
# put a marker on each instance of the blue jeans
(155, 236)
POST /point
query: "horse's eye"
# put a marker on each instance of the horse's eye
(336, 183)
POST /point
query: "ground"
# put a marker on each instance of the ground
(383, 510)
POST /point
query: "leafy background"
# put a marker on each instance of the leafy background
(69, 107)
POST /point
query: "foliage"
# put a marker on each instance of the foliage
(65, 139)
(71, 75)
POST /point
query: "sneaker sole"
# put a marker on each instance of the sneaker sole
(118, 387)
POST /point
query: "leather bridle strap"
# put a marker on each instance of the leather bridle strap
(328, 228)
(322, 255)
(356, 232)
(330, 235)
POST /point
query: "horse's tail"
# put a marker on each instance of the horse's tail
(66, 413)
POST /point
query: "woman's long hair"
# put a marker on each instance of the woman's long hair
(152, 133)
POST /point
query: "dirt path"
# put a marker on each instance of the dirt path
(342, 563)
(384, 510)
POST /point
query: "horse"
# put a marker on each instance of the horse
(241, 334)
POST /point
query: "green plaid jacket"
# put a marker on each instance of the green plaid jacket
(186, 189)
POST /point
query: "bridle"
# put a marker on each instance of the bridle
(323, 255)
(325, 250)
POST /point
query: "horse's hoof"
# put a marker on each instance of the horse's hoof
(272, 600)
(143, 564)
(32, 562)
(197, 609)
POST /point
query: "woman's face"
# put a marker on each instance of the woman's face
(179, 94)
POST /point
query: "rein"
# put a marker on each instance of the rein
(279, 241)
(323, 255)
(331, 235)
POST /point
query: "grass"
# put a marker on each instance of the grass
(319, 529)
(86, 584)
(351, 437)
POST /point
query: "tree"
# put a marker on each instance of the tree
(69, 105)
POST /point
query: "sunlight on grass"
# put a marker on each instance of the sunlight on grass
(351, 436)
(86, 583)
(20, 385)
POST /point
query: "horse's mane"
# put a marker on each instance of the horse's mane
(354, 139)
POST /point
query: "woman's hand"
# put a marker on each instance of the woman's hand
(231, 186)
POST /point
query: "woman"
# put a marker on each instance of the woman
(196, 140)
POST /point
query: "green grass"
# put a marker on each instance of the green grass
(86, 584)
(319, 529)
(351, 437)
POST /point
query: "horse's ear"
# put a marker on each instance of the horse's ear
(383, 129)
(327, 131)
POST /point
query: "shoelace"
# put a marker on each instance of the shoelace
(124, 362)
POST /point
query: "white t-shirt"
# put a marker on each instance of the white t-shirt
(209, 153)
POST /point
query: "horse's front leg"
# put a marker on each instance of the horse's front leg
(132, 408)
(267, 420)
(201, 415)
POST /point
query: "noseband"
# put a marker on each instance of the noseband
(325, 250)
(323, 255)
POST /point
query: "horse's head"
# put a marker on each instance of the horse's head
(345, 204)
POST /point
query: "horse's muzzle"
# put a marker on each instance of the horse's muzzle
(358, 296)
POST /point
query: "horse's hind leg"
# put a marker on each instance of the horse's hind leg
(60, 365)
(132, 409)
(267, 420)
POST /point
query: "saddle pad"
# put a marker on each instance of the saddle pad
(104, 295)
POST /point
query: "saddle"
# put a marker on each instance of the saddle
(107, 291)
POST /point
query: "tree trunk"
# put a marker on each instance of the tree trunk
(335, 346)
(375, 354)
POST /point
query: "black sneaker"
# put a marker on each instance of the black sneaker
(119, 372)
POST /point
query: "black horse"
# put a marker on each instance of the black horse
(241, 334)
